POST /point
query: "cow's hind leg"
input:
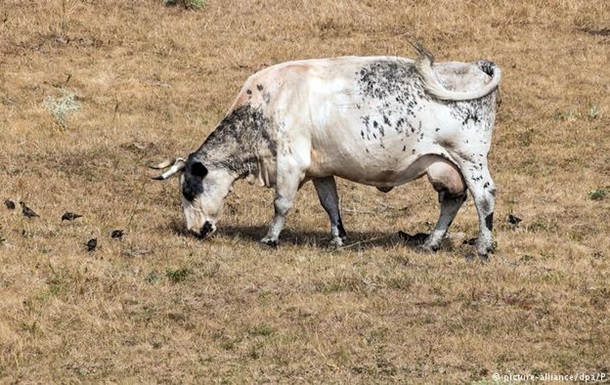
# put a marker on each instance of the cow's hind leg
(327, 192)
(483, 192)
(448, 182)
(450, 206)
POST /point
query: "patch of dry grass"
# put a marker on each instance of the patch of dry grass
(160, 307)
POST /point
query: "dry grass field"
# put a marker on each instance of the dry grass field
(90, 91)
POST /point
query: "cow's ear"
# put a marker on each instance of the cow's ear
(198, 169)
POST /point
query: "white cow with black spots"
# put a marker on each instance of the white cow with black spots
(381, 121)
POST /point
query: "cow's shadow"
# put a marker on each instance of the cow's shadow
(319, 238)
(357, 240)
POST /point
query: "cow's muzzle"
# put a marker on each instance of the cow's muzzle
(206, 230)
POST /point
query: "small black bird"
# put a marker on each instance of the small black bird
(28, 212)
(471, 241)
(92, 244)
(117, 234)
(414, 240)
(68, 216)
(9, 204)
(513, 220)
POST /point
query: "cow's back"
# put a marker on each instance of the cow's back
(361, 118)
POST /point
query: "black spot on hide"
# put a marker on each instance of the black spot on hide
(341, 229)
(192, 186)
(242, 138)
(399, 124)
(476, 112)
(391, 79)
(489, 221)
(392, 89)
(386, 120)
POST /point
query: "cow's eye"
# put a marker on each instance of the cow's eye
(199, 170)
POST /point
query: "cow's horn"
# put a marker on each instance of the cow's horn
(177, 164)
(164, 164)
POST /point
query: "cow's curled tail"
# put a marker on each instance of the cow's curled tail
(433, 86)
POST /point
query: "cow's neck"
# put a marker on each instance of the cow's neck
(244, 142)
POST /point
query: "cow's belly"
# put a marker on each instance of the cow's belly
(393, 164)
(383, 177)
(372, 140)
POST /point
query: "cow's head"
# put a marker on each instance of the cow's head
(203, 192)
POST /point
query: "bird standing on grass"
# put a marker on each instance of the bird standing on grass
(92, 244)
(68, 216)
(28, 212)
(513, 220)
(117, 234)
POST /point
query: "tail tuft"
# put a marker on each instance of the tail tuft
(424, 54)
(486, 66)
(432, 85)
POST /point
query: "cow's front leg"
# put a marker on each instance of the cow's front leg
(285, 192)
(327, 192)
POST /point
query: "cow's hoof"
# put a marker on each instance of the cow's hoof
(335, 243)
(269, 242)
(430, 248)
(473, 257)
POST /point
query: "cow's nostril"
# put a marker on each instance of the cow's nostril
(206, 229)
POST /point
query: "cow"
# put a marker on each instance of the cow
(381, 121)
